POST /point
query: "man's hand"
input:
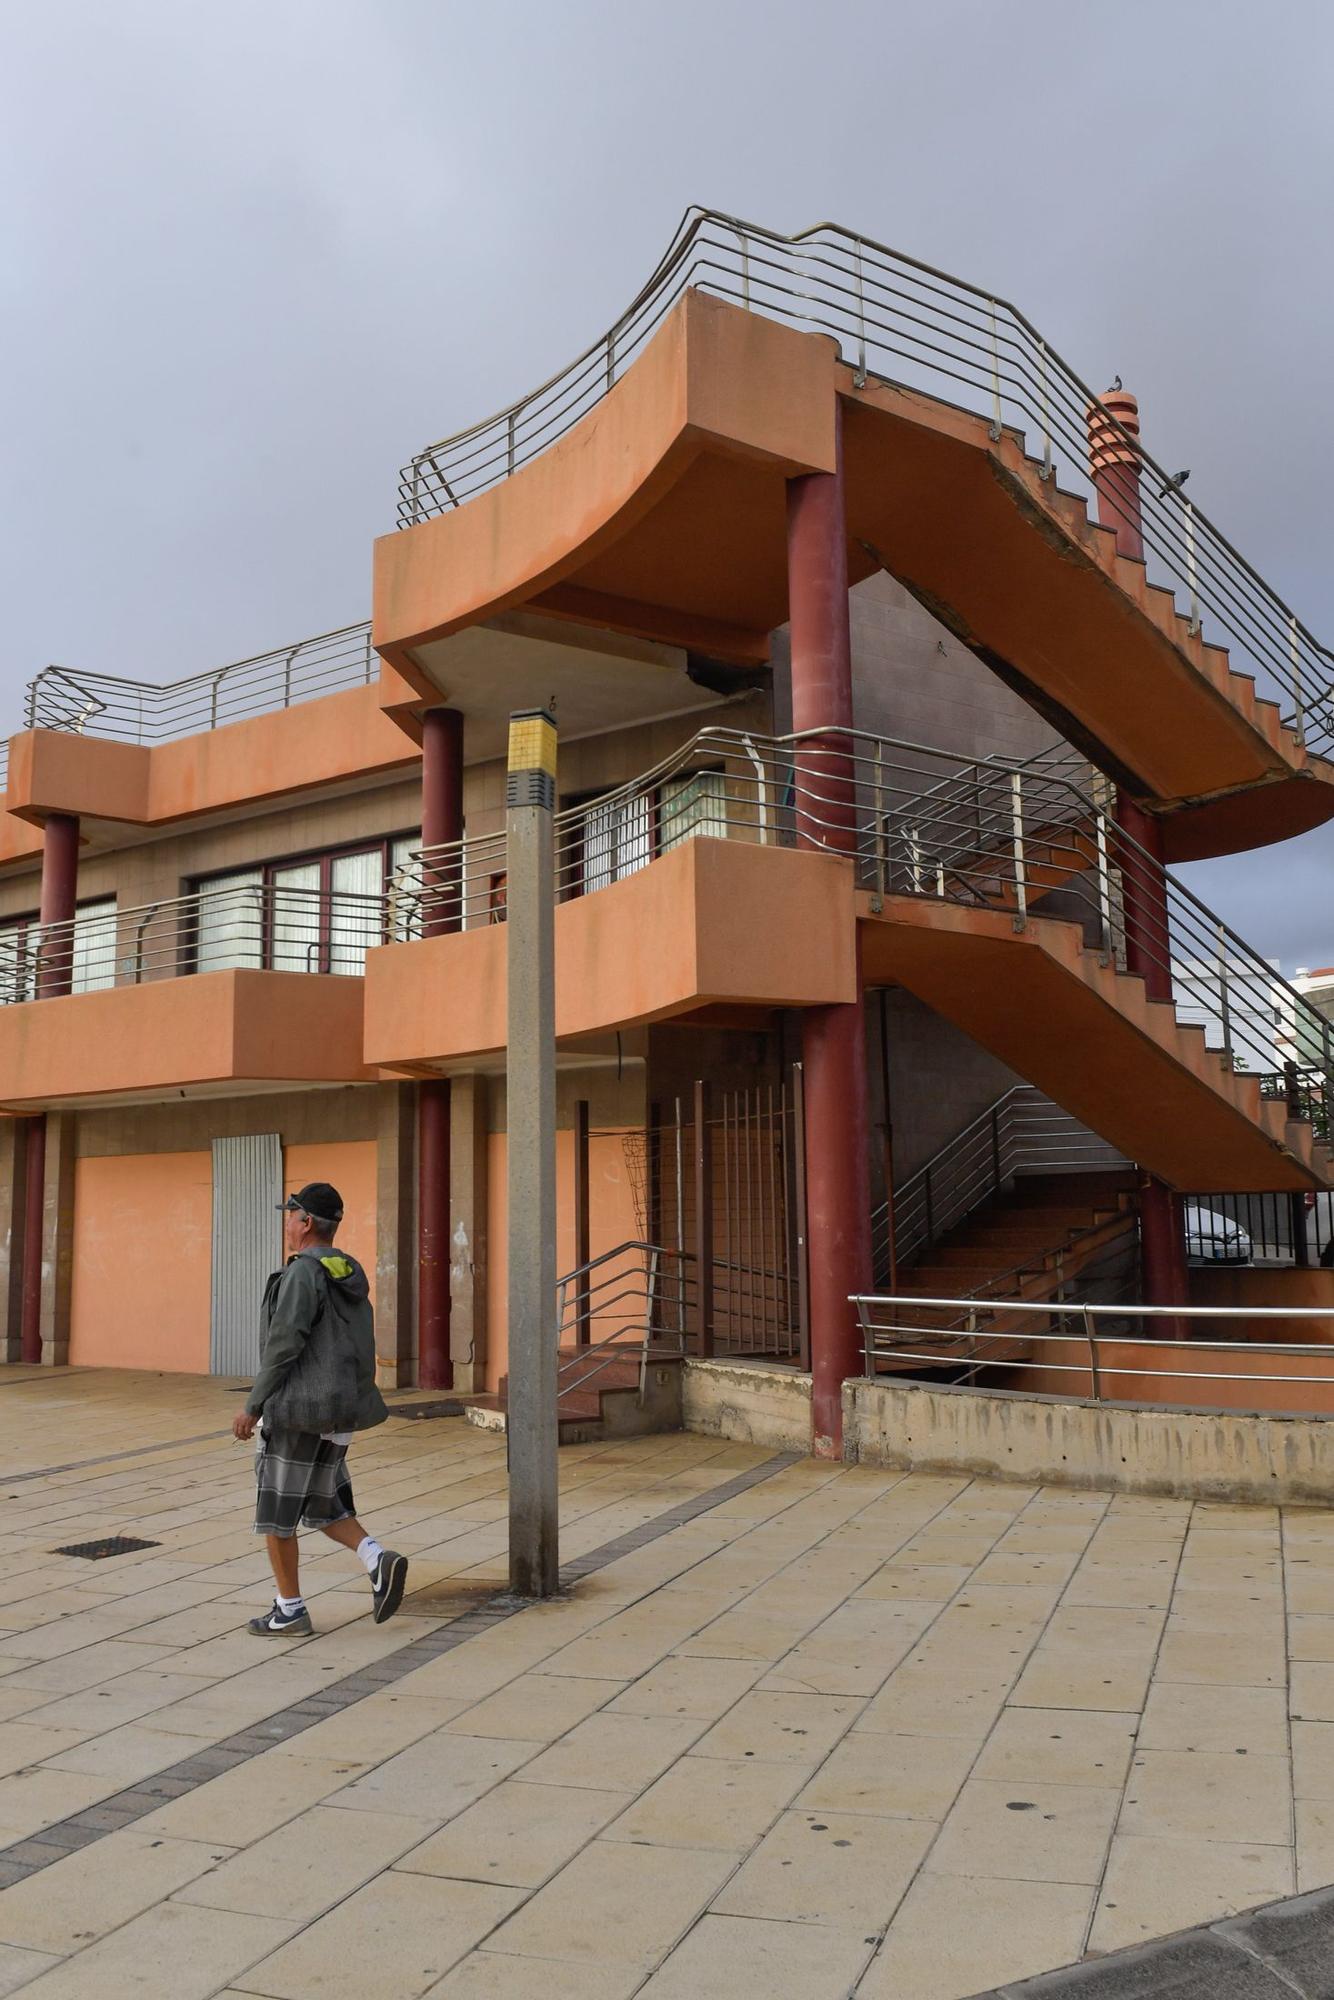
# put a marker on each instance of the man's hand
(243, 1425)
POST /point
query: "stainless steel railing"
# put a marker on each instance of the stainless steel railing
(94, 704)
(632, 1297)
(918, 821)
(907, 323)
(1023, 1132)
(231, 927)
(1093, 1345)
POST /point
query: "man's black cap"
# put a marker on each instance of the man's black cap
(317, 1198)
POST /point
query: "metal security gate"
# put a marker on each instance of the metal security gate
(247, 1245)
(726, 1193)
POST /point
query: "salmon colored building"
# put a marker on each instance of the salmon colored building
(891, 676)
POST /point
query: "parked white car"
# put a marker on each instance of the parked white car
(1212, 1238)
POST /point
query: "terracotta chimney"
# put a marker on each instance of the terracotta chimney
(1115, 467)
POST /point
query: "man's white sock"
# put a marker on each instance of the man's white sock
(289, 1605)
(369, 1553)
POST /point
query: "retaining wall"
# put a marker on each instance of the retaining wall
(1266, 1457)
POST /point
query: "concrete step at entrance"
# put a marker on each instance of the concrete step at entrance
(599, 1397)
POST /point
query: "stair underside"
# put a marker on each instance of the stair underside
(1087, 1036)
(1018, 570)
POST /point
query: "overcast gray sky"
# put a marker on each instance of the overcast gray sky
(256, 252)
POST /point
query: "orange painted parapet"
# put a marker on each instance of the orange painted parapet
(321, 742)
(1246, 1286)
(660, 513)
(1088, 1036)
(173, 1034)
(713, 922)
(19, 840)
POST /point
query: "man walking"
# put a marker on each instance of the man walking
(315, 1389)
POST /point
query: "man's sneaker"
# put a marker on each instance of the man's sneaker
(279, 1624)
(391, 1573)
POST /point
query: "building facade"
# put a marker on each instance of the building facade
(876, 744)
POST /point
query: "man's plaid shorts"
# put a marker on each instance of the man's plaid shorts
(302, 1483)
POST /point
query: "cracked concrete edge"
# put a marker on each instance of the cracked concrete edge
(1270, 1953)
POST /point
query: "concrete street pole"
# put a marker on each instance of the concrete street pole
(530, 801)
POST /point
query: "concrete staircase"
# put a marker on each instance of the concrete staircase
(599, 1396)
(1087, 1035)
(1041, 1239)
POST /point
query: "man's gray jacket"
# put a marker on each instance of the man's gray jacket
(317, 1347)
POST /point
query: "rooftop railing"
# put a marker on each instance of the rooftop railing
(91, 704)
(908, 324)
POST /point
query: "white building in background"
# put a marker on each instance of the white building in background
(1207, 991)
(1217, 994)
(1318, 986)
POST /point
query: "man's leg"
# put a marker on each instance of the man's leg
(284, 1561)
(349, 1532)
(386, 1568)
(289, 1614)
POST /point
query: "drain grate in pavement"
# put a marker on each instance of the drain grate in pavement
(110, 1545)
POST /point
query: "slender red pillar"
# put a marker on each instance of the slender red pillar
(34, 1196)
(442, 825)
(55, 975)
(1115, 466)
(838, 1221)
(59, 898)
(442, 817)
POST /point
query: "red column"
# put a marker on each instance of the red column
(59, 897)
(34, 1197)
(442, 816)
(838, 1223)
(1115, 466)
(442, 824)
(55, 973)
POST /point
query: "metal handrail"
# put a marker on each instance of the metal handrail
(999, 838)
(913, 326)
(880, 1341)
(1023, 1131)
(983, 1296)
(646, 1287)
(96, 704)
(259, 925)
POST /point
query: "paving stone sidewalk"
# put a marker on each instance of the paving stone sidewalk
(795, 1729)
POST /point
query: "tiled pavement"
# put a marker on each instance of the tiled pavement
(802, 1730)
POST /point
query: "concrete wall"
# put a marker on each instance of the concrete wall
(914, 680)
(142, 1262)
(748, 1401)
(1193, 1453)
(939, 1078)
